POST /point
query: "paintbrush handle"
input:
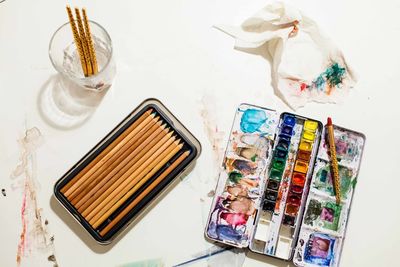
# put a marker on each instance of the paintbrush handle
(335, 168)
(78, 41)
(92, 51)
(84, 42)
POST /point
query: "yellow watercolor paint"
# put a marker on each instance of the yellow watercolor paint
(305, 145)
(308, 135)
(310, 125)
(301, 166)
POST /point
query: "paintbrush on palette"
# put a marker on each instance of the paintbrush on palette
(83, 41)
(335, 168)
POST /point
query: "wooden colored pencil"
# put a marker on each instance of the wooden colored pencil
(130, 148)
(335, 168)
(139, 198)
(107, 159)
(124, 188)
(98, 172)
(125, 173)
(92, 51)
(78, 42)
(84, 42)
(109, 198)
(106, 150)
(128, 161)
(124, 196)
(71, 191)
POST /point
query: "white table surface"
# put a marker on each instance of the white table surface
(169, 50)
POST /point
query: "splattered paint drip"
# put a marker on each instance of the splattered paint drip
(34, 235)
(330, 79)
(214, 135)
(208, 109)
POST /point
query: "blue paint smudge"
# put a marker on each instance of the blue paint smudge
(319, 83)
(252, 120)
(226, 232)
(315, 254)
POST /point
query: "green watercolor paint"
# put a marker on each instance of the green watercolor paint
(278, 164)
(235, 177)
(335, 74)
(313, 212)
(324, 214)
(323, 180)
(275, 174)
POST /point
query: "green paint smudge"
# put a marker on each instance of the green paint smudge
(335, 74)
(235, 177)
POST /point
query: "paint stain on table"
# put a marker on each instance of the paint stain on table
(34, 237)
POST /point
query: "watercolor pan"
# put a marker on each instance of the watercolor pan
(289, 208)
(152, 178)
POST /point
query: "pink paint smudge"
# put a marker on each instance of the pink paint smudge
(22, 239)
(34, 235)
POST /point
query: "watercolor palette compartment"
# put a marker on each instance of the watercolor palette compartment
(324, 222)
(263, 199)
(127, 171)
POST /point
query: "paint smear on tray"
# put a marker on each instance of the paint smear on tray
(34, 235)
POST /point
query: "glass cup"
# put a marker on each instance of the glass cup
(65, 57)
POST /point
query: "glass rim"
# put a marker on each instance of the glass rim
(75, 77)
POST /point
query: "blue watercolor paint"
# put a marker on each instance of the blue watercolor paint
(319, 249)
(212, 230)
(226, 232)
(289, 120)
(285, 137)
(287, 130)
(319, 83)
(252, 120)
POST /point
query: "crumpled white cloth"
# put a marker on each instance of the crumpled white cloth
(306, 65)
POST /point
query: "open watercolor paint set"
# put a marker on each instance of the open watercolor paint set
(275, 194)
